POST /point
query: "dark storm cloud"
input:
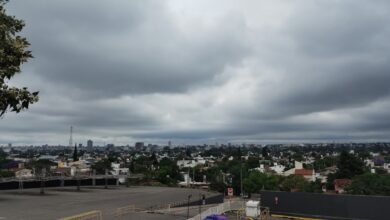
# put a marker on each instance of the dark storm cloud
(130, 48)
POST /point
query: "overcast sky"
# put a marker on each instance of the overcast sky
(204, 71)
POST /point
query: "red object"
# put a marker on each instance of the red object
(340, 184)
(230, 191)
(304, 172)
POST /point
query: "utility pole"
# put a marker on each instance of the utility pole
(105, 180)
(242, 191)
(43, 174)
(78, 181)
(93, 177)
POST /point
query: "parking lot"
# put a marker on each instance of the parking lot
(62, 202)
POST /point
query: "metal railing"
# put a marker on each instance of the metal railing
(219, 209)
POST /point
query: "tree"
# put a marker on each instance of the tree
(13, 53)
(257, 181)
(349, 166)
(168, 172)
(75, 155)
(40, 164)
(295, 183)
(264, 152)
(102, 165)
(252, 162)
(370, 184)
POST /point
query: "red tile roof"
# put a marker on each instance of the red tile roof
(304, 172)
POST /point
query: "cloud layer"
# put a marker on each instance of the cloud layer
(200, 72)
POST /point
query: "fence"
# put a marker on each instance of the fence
(215, 199)
(54, 183)
(219, 209)
(92, 215)
(219, 198)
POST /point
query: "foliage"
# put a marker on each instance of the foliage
(6, 173)
(142, 164)
(39, 165)
(102, 165)
(265, 152)
(75, 155)
(320, 164)
(3, 156)
(370, 184)
(296, 183)
(215, 177)
(13, 54)
(257, 181)
(349, 166)
(253, 162)
(168, 172)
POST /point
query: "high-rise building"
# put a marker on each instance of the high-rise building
(90, 144)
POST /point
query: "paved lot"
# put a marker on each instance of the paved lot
(62, 202)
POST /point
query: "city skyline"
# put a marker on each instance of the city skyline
(203, 72)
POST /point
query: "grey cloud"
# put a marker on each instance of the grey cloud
(109, 50)
(141, 71)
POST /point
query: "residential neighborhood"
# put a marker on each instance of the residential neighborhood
(247, 168)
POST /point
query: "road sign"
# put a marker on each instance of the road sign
(230, 191)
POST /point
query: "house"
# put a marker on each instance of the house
(308, 174)
(62, 171)
(23, 173)
(340, 184)
(117, 170)
(191, 163)
(277, 168)
(378, 160)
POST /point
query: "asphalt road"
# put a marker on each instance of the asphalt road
(63, 202)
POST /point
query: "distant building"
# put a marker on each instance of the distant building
(118, 170)
(110, 147)
(308, 174)
(89, 145)
(139, 145)
(379, 160)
